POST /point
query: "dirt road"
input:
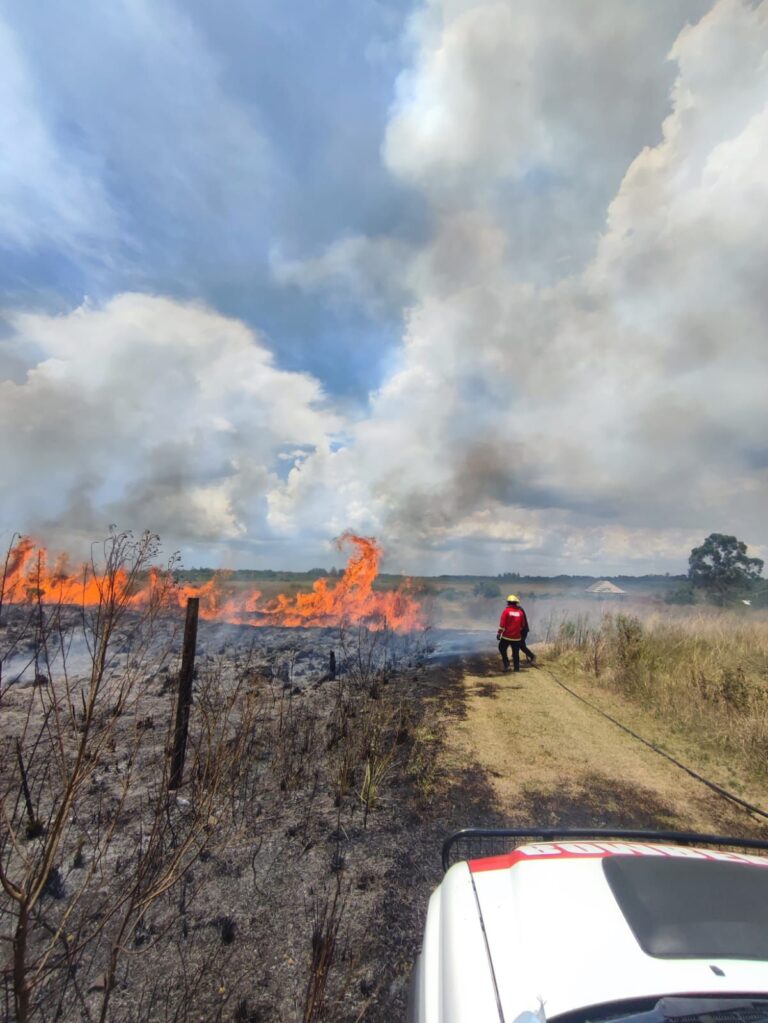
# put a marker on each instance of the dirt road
(552, 761)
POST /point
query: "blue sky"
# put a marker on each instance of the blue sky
(195, 144)
(455, 273)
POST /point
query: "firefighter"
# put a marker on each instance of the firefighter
(513, 628)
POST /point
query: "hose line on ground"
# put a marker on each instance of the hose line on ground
(662, 753)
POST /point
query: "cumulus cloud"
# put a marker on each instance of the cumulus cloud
(151, 413)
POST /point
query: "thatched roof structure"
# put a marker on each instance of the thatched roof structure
(603, 588)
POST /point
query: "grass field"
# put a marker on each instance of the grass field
(702, 673)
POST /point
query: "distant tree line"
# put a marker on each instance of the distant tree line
(719, 571)
(254, 574)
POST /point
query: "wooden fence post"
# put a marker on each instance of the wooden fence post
(185, 694)
(34, 826)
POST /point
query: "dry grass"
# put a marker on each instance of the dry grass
(704, 673)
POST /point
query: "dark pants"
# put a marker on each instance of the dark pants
(530, 656)
(504, 644)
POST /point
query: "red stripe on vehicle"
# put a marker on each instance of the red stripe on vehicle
(518, 856)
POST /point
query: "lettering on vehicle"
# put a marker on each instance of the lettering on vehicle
(598, 850)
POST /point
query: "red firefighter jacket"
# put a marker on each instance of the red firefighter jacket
(512, 623)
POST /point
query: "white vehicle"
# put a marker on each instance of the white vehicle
(632, 927)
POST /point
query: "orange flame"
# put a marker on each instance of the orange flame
(350, 600)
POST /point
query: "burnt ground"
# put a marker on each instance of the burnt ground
(312, 813)
(314, 829)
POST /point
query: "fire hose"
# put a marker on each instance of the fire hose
(743, 803)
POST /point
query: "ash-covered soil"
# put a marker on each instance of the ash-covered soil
(291, 654)
(288, 878)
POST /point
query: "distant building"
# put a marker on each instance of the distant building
(603, 588)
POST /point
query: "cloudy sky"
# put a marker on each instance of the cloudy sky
(484, 278)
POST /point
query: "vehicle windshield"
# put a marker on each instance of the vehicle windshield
(731, 1009)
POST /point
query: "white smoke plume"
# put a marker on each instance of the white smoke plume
(582, 372)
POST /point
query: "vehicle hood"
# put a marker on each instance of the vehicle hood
(558, 940)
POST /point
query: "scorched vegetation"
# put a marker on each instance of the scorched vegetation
(246, 893)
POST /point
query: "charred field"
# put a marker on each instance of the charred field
(285, 879)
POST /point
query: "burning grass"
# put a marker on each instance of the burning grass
(705, 675)
(352, 598)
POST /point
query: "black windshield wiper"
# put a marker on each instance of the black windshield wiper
(672, 1008)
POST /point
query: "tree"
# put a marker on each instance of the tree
(722, 567)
